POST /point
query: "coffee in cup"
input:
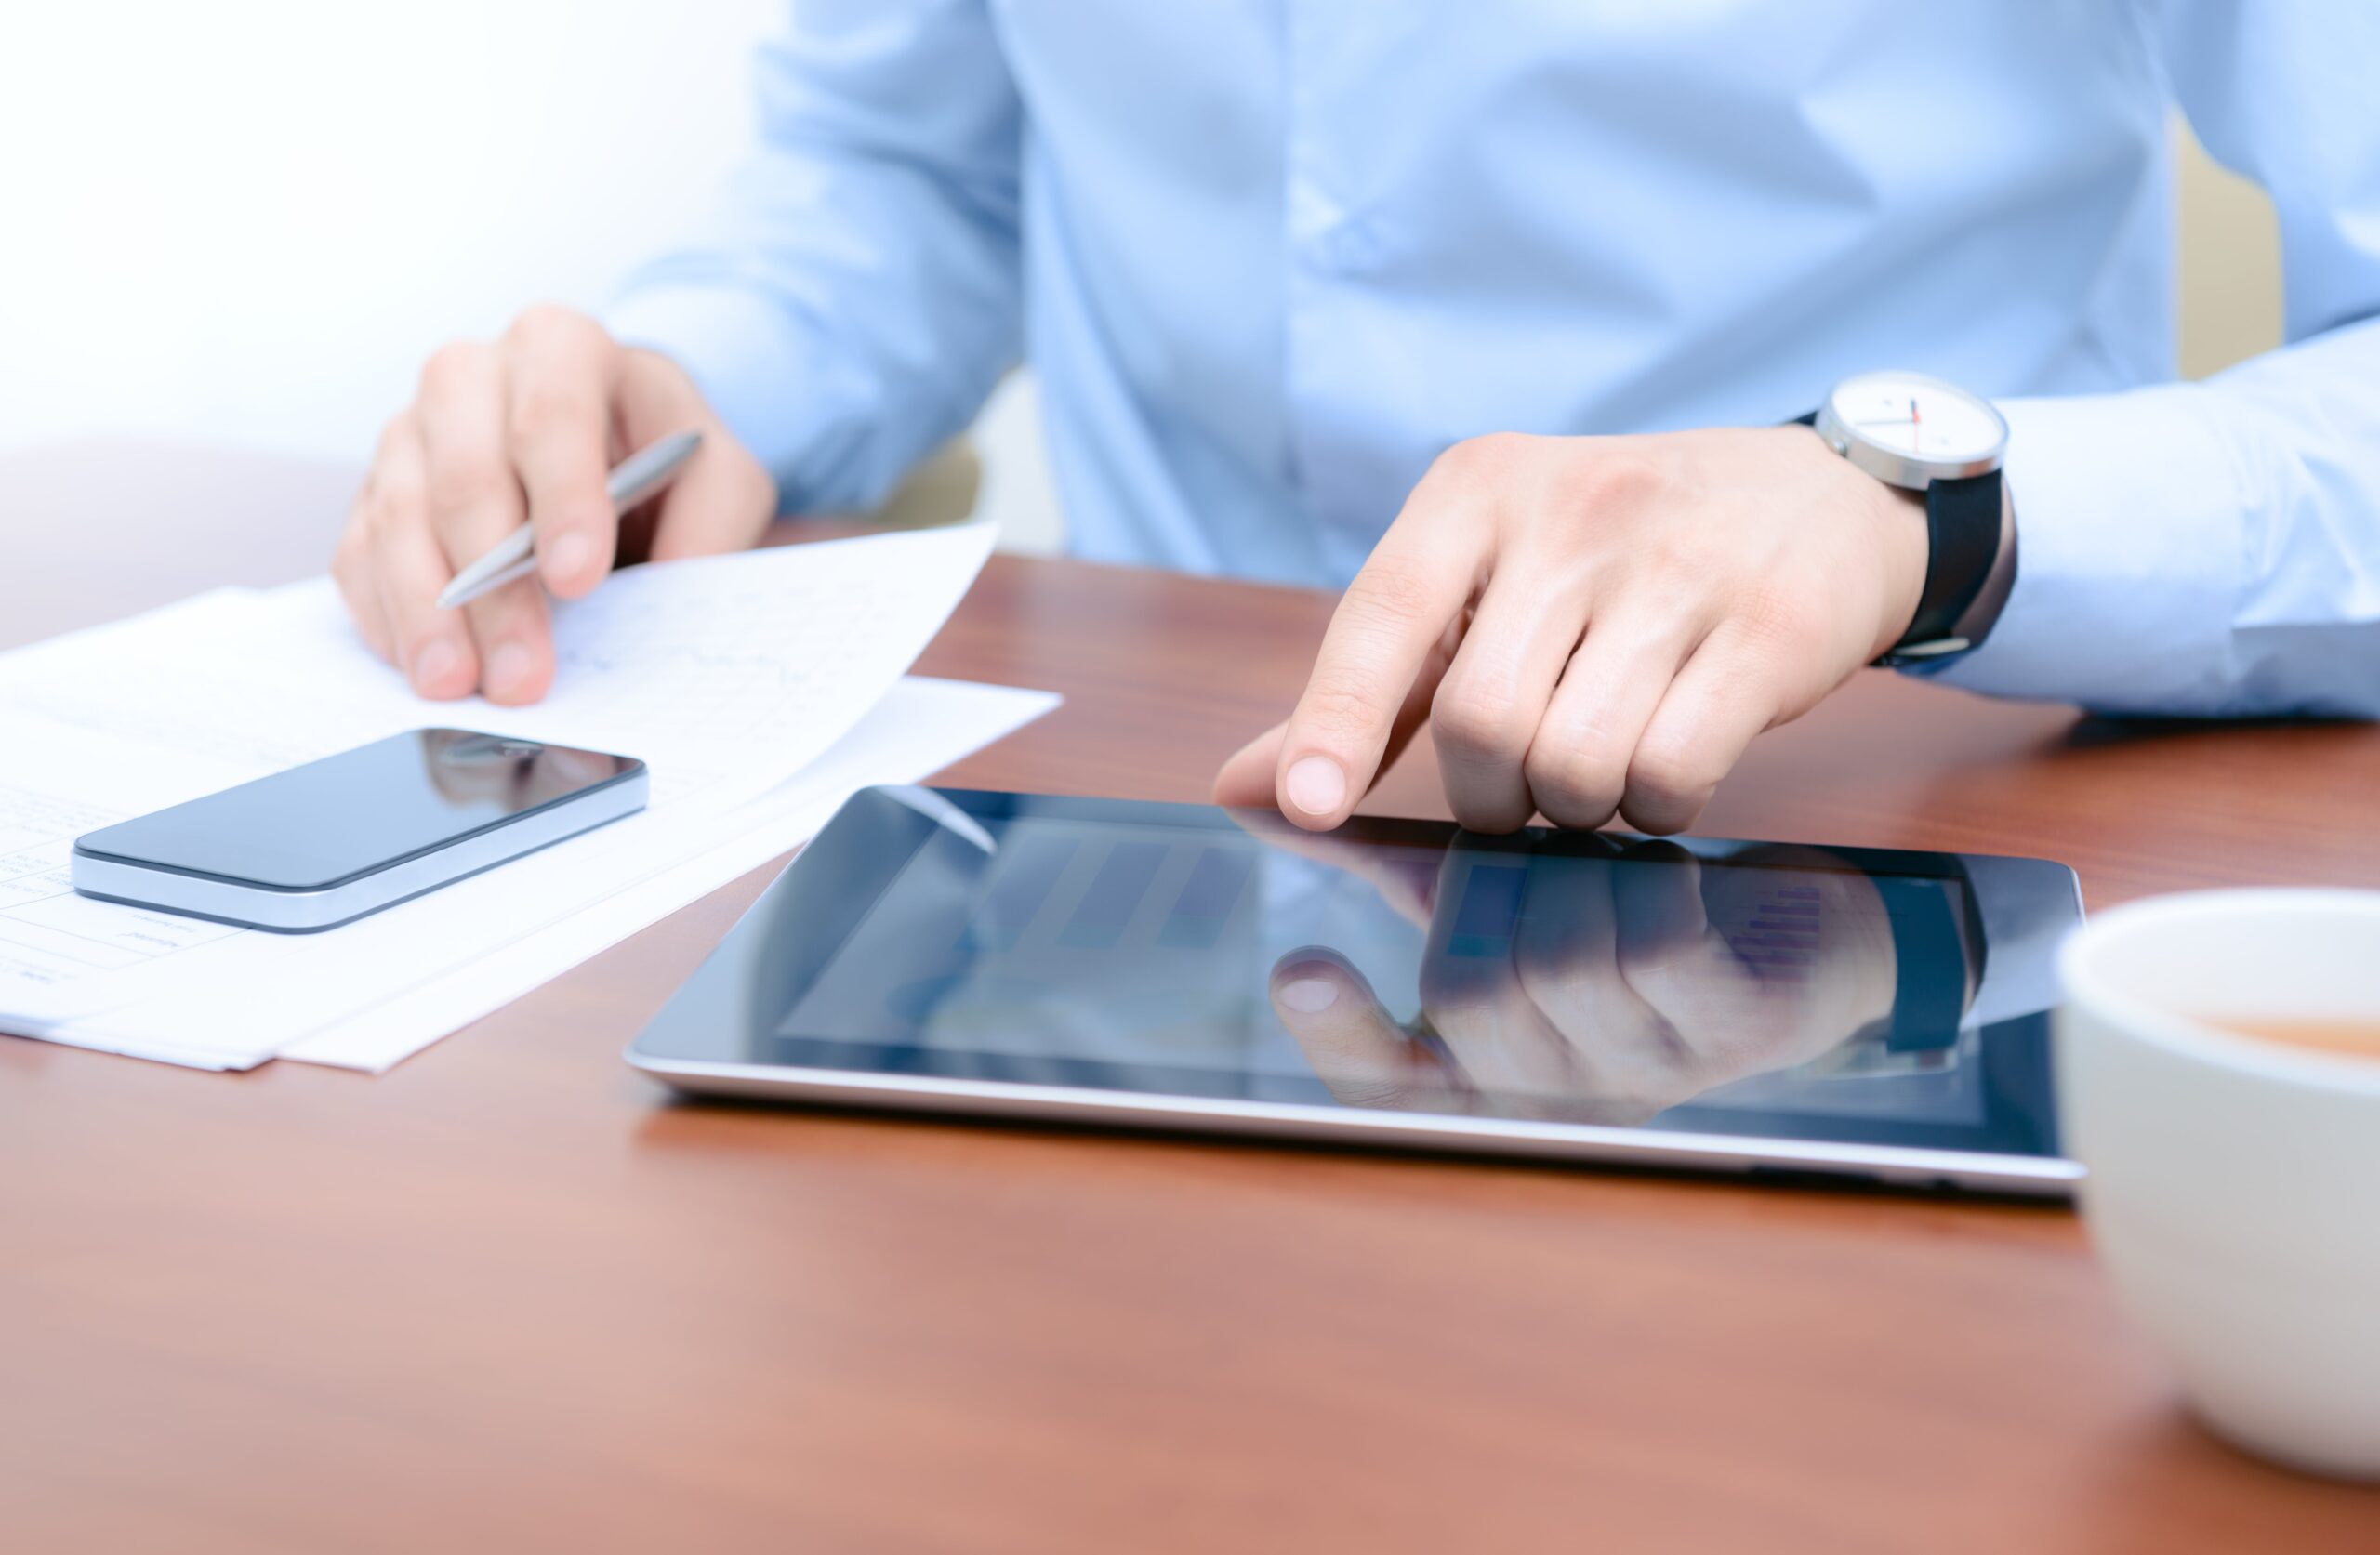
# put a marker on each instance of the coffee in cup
(2355, 1038)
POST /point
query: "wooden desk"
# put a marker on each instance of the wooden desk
(510, 1296)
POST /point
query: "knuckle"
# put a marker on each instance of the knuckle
(1569, 780)
(550, 323)
(458, 485)
(1482, 459)
(1662, 816)
(542, 413)
(1668, 773)
(453, 367)
(1766, 616)
(1388, 593)
(1678, 553)
(396, 492)
(396, 433)
(1472, 722)
(1495, 449)
(1456, 462)
(1617, 476)
(1342, 713)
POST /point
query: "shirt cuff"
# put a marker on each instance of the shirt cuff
(2131, 533)
(747, 358)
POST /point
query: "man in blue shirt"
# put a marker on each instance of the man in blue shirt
(1496, 312)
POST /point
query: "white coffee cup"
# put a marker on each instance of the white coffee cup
(2234, 1186)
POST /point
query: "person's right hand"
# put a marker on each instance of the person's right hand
(526, 430)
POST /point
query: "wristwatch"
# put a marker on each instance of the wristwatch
(1921, 434)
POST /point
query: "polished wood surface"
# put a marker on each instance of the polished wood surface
(513, 1296)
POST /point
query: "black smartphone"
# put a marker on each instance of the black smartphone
(335, 839)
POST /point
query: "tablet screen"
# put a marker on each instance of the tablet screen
(1783, 991)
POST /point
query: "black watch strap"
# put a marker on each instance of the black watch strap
(1963, 532)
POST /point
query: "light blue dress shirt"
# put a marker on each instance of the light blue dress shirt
(1269, 256)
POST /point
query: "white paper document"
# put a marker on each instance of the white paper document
(723, 674)
(61, 953)
(730, 677)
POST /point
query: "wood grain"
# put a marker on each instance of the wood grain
(511, 1298)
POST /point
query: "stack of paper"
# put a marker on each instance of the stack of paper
(761, 690)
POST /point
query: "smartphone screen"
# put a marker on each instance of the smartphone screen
(331, 821)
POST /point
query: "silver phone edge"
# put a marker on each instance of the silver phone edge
(311, 911)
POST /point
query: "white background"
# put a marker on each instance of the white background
(245, 223)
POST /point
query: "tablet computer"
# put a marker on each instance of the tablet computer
(1690, 1003)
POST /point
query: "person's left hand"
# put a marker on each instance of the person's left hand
(1594, 625)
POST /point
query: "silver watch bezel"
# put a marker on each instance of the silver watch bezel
(1910, 472)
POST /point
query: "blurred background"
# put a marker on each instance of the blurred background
(245, 224)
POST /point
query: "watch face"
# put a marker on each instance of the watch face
(1918, 417)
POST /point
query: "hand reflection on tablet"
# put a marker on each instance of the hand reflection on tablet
(1591, 982)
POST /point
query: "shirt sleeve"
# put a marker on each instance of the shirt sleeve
(855, 296)
(2215, 547)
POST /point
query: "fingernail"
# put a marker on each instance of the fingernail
(509, 670)
(433, 665)
(1309, 996)
(574, 554)
(1316, 785)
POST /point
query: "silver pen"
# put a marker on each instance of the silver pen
(638, 477)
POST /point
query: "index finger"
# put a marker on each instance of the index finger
(558, 413)
(1392, 622)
